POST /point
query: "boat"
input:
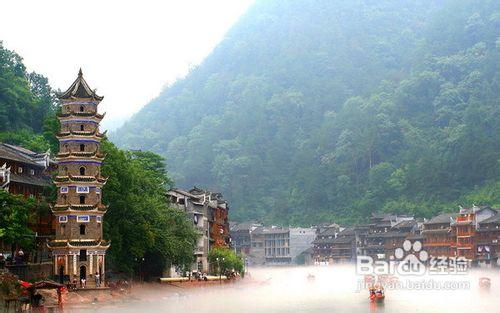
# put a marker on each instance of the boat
(377, 294)
(484, 283)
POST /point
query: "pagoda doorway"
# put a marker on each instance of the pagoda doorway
(61, 274)
(83, 272)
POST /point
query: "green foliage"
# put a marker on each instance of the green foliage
(14, 217)
(27, 105)
(139, 223)
(225, 260)
(322, 110)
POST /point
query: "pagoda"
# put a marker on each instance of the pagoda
(79, 249)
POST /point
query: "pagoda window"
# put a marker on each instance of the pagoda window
(82, 147)
(82, 229)
(83, 255)
(82, 109)
(82, 128)
(82, 199)
(82, 171)
(63, 229)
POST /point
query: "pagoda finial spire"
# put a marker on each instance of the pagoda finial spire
(80, 74)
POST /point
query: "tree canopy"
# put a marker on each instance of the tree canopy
(27, 105)
(139, 222)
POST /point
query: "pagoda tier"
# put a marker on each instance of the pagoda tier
(89, 244)
(68, 208)
(65, 116)
(78, 133)
(80, 179)
(80, 154)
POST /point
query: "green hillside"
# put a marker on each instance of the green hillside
(312, 110)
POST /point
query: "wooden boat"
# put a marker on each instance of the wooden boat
(377, 295)
(484, 283)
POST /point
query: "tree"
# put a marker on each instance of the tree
(224, 260)
(139, 222)
(14, 216)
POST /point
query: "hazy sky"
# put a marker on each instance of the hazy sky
(128, 50)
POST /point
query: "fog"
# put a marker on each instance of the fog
(334, 289)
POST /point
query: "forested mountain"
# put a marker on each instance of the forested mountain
(313, 110)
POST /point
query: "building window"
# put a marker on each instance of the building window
(82, 229)
(82, 171)
(82, 147)
(83, 255)
(82, 199)
(83, 218)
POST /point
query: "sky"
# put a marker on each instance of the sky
(128, 50)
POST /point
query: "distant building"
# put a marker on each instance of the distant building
(383, 235)
(241, 236)
(270, 246)
(209, 213)
(323, 245)
(437, 235)
(300, 240)
(464, 227)
(195, 208)
(488, 242)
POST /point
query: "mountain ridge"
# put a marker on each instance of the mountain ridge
(263, 118)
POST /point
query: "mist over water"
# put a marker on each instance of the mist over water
(335, 289)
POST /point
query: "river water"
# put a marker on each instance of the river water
(335, 289)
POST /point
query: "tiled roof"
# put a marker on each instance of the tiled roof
(330, 231)
(29, 180)
(443, 218)
(245, 226)
(405, 224)
(8, 153)
(79, 89)
(323, 240)
(343, 240)
(495, 219)
(270, 230)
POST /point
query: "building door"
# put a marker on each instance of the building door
(83, 272)
(61, 274)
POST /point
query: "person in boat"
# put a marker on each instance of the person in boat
(372, 292)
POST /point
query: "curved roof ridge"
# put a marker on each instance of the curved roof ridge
(79, 89)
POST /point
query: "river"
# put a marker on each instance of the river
(334, 289)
